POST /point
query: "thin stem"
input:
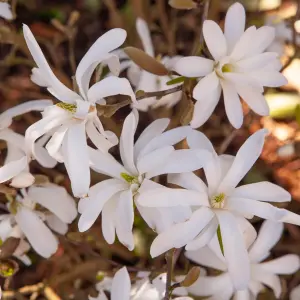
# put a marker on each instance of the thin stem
(160, 94)
(72, 59)
(170, 266)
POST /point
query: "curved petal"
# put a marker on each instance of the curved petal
(22, 180)
(262, 191)
(180, 234)
(125, 218)
(60, 90)
(295, 293)
(78, 169)
(180, 161)
(206, 86)
(215, 39)
(99, 194)
(269, 78)
(42, 155)
(106, 43)
(144, 34)
(204, 107)
(235, 251)
(56, 199)
(121, 286)
(109, 219)
(57, 224)
(244, 160)
(12, 169)
(235, 22)
(110, 86)
(127, 142)
(41, 238)
(189, 181)
(233, 106)
(194, 66)
(285, 265)
(242, 295)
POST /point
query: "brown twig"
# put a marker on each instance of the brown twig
(160, 94)
(170, 266)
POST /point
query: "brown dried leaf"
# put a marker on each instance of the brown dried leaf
(187, 114)
(145, 61)
(191, 277)
(9, 247)
(183, 4)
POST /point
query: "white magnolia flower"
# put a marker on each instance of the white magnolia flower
(240, 67)
(16, 163)
(151, 155)
(220, 204)
(145, 81)
(27, 219)
(143, 289)
(6, 13)
(262, 273)
(76, 116)
(295, 293)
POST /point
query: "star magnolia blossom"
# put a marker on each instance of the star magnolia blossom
(145, 81)
(151, 155)
(16, 163)
(240, 67)
(5, 12)
(26, 220)
(143, 289)
(220, 205)
(70, 120)
(262, 273)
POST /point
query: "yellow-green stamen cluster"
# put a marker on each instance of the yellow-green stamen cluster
(129, 178)
(67, 106)
(218, 201)
(219, 198)
(227, 68)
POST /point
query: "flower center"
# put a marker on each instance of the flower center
(80, 110)
(130, 179)
(227, 68)
(67, 106)
(218, 201)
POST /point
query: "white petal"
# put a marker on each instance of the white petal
(290, 217)
(244, 160)
(268, 279)
(180, 234)
(56, 199)
(207, 257)
(235, 251)
(210, 285)
(241, 48)
(204, 237)
(108, 220)
(233, 106)
(189, 181)
(144, 34)
(168, 138)
(247, 230)
(285, 265)
(99, 194)
(5, 11)
(215, 39)
(241, 79)
(105, 163)
(204, 107)
(206, 86)
(295, 293)
(167, 197)
(125, 218)
(55, 143)
(41, 238)
(154, 159)
(120, 289)
(242, 295)
(234, 25)
(110, 86)
(106, 43)
(12, 169)
(184, 160)
(127, 142)
(57, 224)
(41, 154)
(269, 78)
(78, 169)
(22, 180)
(35, 105)
(256, 62)
(263, 191)
(5, 227)
(255, 287)
(254, 99)
(61, 91)
(194, 66)
(156, 128)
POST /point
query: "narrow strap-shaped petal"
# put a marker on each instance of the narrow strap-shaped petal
(235, 251)
(12, 169)
(5, 11)
(41, 238)
(106, 43)
(285, 265)
(189, 181)
(120, 289)
(108, 219)
(61, 91)
(242, 295)
(56, 224)
(144, 34)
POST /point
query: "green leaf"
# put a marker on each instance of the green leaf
(176, 80)
(219, 234)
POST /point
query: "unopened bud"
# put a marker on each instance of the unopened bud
(191, 277)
